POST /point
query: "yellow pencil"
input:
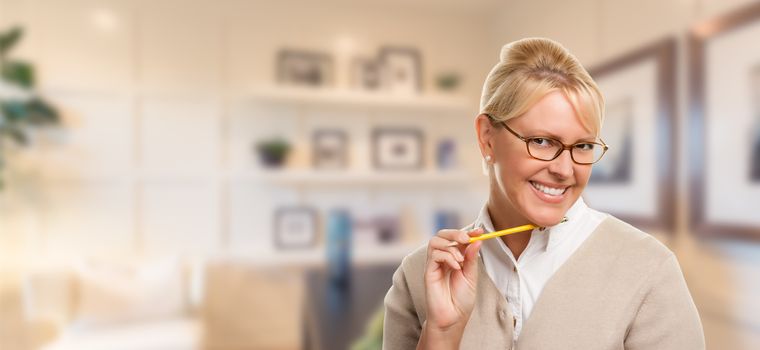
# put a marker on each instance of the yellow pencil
(508, 231)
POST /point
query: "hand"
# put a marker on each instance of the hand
(451, 275)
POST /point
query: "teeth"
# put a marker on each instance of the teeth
(548, 190)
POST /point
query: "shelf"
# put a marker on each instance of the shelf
(365, 255)
(317, 96)
(314, 177)
(287, 177)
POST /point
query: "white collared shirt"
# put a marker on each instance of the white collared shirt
(521, 281)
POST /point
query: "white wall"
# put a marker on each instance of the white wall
(151, 122)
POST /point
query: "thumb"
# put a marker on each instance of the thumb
(470, 266)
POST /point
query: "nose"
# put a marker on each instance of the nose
(562, 166)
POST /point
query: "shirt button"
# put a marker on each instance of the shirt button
(514, 322)
(514, 268)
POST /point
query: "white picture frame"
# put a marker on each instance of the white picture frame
(295, 228)
(401, 70)
(639, 127)
(724, 115)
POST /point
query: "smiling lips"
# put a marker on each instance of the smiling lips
(554, 191)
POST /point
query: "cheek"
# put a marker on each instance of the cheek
(582, 175)
(515, 172)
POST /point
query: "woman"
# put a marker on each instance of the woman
(588, 282)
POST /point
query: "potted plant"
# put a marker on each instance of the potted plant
(21, 108)
(448, 81)
(273, 152)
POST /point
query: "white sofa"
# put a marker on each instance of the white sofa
(97, 305)
(166, 304)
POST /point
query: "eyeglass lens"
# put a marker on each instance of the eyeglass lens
(548, 149)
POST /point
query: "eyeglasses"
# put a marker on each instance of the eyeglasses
(548, 149)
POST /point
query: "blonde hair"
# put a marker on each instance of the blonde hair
(531, 68)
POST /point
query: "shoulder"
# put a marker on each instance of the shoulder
(619, 253)
(630, 241)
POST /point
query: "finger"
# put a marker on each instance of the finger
(470, 265)
(454, 235)
(445, 258)
(476, 232)
(473, 233)
(457, 254)
(440, 243)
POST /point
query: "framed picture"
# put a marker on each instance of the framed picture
(640, 128)
(330, 149)
(724, 118)
(366, 74)
(304, 68)
(402, 70)
(295, 228)
(377, 230)
(397, 148)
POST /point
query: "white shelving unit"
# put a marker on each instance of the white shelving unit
(374, 181)
(156, 155)
(316, 178)
(341, 97)
(318, 256)
(172, 202)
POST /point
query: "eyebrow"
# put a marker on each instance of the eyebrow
(544, 133)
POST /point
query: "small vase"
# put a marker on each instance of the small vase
(272, 160)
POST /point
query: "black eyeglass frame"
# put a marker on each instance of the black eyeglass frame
(527, 140)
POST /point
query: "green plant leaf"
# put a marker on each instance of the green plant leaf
(9, 38)
(276, 147)
(15, 133)
(41, 113)
(14, 111)
(32, 112)
(20, 73)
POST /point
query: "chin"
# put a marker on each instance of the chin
(547, 217)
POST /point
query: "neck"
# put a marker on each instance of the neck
(501, 210)
(503, 216)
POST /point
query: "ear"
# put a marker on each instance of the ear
(485, 132)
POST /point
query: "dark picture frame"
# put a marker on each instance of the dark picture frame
(304, 68)
(735, 182)
(366, 74)
(295, 227)
(401, 69)
(619, 173)
(397, 148)
(330, 149)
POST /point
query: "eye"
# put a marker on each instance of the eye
(541, 142)
(585, 146)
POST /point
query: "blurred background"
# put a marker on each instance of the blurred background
(248, 174)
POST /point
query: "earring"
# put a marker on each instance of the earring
(486, 162)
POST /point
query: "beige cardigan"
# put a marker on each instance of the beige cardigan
(622, 289)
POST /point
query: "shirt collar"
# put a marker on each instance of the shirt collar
(556, 234)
